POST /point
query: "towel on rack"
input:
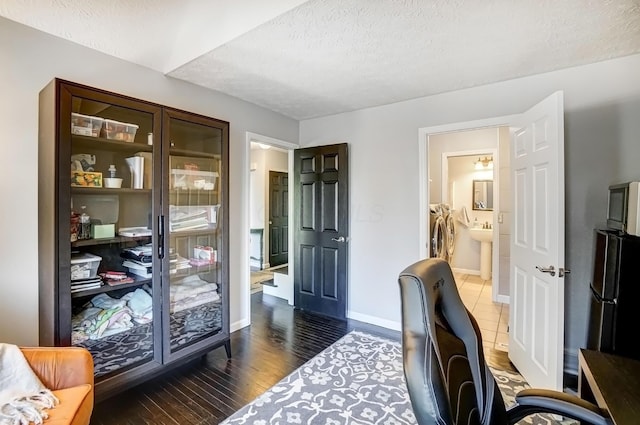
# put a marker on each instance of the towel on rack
(463, 217)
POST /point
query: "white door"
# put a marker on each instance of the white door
(536, 323)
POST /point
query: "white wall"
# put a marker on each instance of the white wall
(451, 143)
(602, 106)
(504, 209)
(256, 189)
(29, 60)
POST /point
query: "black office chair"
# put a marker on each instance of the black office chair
(447, 377)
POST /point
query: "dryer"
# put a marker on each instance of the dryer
(438, 234)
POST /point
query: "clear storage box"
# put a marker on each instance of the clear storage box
(191, 179)
(84, 266)
(86, 125)
(116, 130)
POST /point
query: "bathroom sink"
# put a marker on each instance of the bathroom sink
(481, 235)
(485, 237)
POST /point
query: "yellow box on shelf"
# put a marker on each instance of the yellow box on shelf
(86, 179)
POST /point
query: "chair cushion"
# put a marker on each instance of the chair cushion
(76, 405)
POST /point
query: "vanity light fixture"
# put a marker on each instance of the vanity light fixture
(485, 163)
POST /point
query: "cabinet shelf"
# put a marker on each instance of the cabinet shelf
(182, 273)
(193, 192)
(107, 288)
(101, 143)
(106, 241)
(194, 232)
(195, 154)
(105, 190)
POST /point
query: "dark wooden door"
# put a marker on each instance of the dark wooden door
(321, 234)
(278, 218)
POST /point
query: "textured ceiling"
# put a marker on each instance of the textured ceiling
(321, 57)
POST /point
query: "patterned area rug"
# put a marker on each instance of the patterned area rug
(357, 380)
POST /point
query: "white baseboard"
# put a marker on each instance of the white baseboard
(466, 271)
(389, 324)
(503, 299)
(242, 323)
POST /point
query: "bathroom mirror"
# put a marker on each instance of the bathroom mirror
(483, 195)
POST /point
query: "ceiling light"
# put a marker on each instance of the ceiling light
(485, 163)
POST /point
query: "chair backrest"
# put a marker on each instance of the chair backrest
(447, 377)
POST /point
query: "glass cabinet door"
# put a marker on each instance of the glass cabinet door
(112, 257)
(196, 295)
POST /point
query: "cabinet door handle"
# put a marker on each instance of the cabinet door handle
(161, 237)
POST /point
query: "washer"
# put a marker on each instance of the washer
(438, 235)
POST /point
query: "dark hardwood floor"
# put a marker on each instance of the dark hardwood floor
(279, 340)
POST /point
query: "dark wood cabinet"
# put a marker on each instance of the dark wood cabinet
(133, 232)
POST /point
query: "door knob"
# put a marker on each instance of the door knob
(339, 239)
(551, 270)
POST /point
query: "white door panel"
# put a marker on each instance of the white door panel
(519, 316)
(541, 204)
(536, 338)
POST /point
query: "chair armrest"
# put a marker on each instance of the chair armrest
(532, 401)
(60, 367)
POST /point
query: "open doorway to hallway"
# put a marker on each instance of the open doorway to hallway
(269, 218)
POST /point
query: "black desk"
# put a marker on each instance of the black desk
(613, 383)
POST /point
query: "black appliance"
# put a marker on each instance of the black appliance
(614, 325)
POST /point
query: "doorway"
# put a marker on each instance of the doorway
(464, 170)
(536, 322)
(454, 160)
(268, 157)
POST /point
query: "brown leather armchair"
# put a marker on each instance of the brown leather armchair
(68, 372)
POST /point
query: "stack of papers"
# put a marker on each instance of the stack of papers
(85, 284)
(134, 231)
(176, 262)
(139, 268)
(187, 219)
(139, 260)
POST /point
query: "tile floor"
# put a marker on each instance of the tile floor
(492, 318)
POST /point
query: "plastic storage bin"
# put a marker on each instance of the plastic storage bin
(86, 125)
(84, 266)
(103, 209)
(116, 130)
(190, 179)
